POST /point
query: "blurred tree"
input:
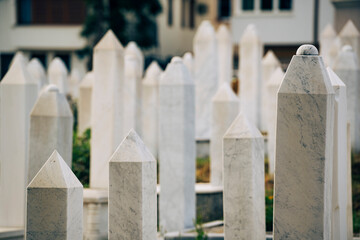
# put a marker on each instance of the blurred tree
(130, 20)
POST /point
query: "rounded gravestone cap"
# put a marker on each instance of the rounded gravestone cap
(176, 60)
(347, 48)
(52, 88)
(307, 49)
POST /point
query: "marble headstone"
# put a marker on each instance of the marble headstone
(58, 75)
(84, 110)
(189, 63)
(224, 43)
(74, 81)
(37, 71)
(327, 38)
(350, 35)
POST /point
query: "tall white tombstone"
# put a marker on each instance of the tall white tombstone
(327, 38)
(244, 188)
(132, 88)
(340, 171)
(51, 127)
(58, 75)
(37, 71)
(268, 65)
(189, 63)
(20, 55)
(74, 82)
(84, 109)
(206, 77)
(350, 35)
(304, 149)
(273, 86)
(54, 202)
(106, 107)
(177, 149)
(18, 91)
(150, 105)
(132, 191)
(347, 68)
(250, 53)
(349, 209)
(334, 51)
(225, 63)
(225, 108)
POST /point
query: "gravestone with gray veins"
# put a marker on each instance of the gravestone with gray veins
(206, 77)
(58, 75)
(347, 68)
(37, 71)
(350, 35)
(132, 191)
(85, 92)
(188, 60)
(51, 128)
(340, 171)
(304, 149)
(54, 202)
(177, 149)
(327, 38)
(224, 43)
(106, 111)
(250, 53)
(244, 188)
(150, 96)
(18, 91)
(225, 108)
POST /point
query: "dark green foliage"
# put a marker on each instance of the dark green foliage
(269, 211)
(81, 156)
(355, 168)
(201, 235)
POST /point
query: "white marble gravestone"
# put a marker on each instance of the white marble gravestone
(74, 82)
(250, 54)
(177, 149)
(51, 127)
(225, 52)
(350, 35)
(304, 149)
(334, 51)
(132, 191)
(340, 171)
(54, 202)
(188, 60)
(347, 68)
(349, 209)
(106, 107)
(37, 71)
(225, 108)
(150, 103)
(84, 110)
(327, 38)
(18, 91)
(244, 188)
(268, 65)
(273, 86)
(206, 77)
(58, 75)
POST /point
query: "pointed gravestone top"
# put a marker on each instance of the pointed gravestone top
(346, 60)
(57, 66)
(223, 34)
(108, 42)
(328, 32)
(88, 80)
(334, 79)
(132, 149)
(51, 103)
(205, 32)
(270, 59)
(349, 30)
(75, 76)
(188, 57)
(152, 73)
(176, 73)
(250, 35)
(55, 174)
(242, 128)
(36, 67)
(306, 73)
(21, 55)
(133, 49)
(276, 77)
(225, 94)
(18, 73)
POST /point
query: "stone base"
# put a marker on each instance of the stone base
(12, 233)
(202, 148)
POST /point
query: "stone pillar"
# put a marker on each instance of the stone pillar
(225, 63)
(225, 108)
(106, 120)
(273, 86)
(334, 51)
(54, 202)
(327, 38)
(177, 147)
(250, 54)
(304, 149)
(347, 68)
(340, 171)
(268, 65)
(206, 77)
(37, 71)
(51, 127)
(18, 91)
(189, 63)
(150, 103)
(74, 82)
(349, 209)
(244, 188)
(58, 75)
(132, 191)
(84, 106)
(350, 35)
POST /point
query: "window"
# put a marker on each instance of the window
(248, 4)
(24, 11)
(224, 9)
(170, 12)
(266, 5)
(285, 4)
